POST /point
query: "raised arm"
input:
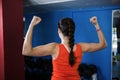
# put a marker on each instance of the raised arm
(42, 50)
(91, 47)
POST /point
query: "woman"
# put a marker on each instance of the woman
(66, 56)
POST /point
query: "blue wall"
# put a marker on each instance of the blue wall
(46, 32)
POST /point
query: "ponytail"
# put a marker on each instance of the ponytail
(67, 27)
(71, 44)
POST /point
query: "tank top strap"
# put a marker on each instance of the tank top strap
(79, 46)
(62, 47)
(78, 49)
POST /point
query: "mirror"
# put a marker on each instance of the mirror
(116, 45)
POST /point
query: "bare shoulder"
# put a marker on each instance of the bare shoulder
(84, 46)
(55, 49)
(54, 46)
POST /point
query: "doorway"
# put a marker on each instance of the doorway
(116, 45)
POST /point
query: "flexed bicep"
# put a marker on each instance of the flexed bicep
(43, 50)
(91, 47)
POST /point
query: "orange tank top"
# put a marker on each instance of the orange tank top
(61, 67)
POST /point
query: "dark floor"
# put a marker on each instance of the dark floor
(116, 70)
(43, 71)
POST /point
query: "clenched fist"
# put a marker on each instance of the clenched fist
(93, 20)
(36, 20)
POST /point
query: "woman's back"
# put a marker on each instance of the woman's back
(62, 70)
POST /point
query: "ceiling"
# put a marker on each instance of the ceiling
(40, 6)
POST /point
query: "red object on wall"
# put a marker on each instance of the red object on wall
(11, 37)
(1, 45)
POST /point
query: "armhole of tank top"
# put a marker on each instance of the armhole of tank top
(81, 53)
(58, 53)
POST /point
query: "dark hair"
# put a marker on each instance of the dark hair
(67, 26)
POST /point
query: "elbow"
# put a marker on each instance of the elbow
(26, 52)
(23, 53)
(27, 49)
(104, 45)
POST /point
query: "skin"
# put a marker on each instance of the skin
(52, 48)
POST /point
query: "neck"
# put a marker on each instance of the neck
(65, 41)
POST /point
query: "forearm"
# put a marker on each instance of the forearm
(102, 41)
(27, 45)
